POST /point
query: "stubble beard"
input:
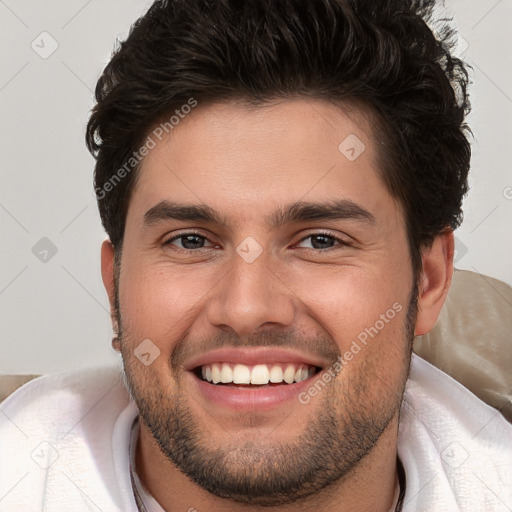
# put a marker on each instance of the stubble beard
(347, 426)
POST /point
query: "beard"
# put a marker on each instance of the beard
(350, 418)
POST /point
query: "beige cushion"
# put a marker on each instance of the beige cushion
(10, 383)
(471, 340)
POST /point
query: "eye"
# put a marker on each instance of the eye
(323, 241)
(189, 241)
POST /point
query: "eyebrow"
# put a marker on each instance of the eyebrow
(299, 211)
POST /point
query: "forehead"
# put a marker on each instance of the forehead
(240, 159)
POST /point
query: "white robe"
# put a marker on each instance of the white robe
(64, 445)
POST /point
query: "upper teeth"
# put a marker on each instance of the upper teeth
(258, 374)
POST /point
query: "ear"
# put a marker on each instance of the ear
(107, 275)
(435, 281)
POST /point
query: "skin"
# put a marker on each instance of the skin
(246, 163)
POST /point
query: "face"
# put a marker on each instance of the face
(257, 250)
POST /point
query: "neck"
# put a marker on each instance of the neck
(370, 487)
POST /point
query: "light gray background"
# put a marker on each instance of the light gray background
(54, 313)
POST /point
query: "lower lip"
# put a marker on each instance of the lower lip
(249, 399)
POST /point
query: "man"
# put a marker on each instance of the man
(279, 181)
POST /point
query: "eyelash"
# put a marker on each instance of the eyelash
(341, 242)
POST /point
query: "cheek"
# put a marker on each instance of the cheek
(159, 302)
(354, 303)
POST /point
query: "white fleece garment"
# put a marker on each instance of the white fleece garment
(65, 438)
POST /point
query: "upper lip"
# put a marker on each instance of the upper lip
(253, 355)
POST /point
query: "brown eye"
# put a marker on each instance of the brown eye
(189, 241)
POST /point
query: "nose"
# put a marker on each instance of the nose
(250, 296)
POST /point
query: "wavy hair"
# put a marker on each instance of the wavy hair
(380, 55)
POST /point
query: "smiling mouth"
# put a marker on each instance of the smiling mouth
(255, 376)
